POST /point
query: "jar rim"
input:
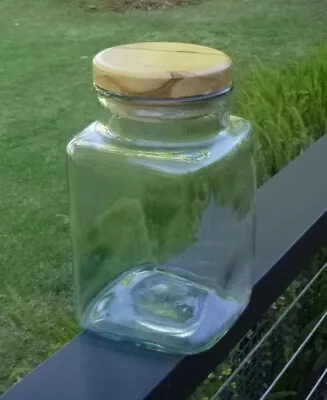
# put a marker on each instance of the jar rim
(164, 101)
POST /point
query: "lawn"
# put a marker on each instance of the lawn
(46, 97)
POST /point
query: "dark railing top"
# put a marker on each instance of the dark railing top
(291, 228)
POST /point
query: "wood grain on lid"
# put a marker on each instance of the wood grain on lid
(162, 70)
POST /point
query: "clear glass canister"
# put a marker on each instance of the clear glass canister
(162, 190)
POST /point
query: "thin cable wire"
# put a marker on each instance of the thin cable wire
(316, 385)
(298, 351)
(286, 312)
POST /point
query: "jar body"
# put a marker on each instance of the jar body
(163, 232)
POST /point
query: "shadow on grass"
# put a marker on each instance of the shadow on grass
(130, 5)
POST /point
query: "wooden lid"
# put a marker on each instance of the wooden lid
(162, 70)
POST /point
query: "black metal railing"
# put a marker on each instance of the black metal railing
(291, 230)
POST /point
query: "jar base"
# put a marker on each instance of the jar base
(163, 311)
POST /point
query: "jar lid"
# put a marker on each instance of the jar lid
(162, 70)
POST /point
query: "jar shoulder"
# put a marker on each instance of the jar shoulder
(93, 142)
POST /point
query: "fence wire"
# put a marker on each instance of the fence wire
(286, 347)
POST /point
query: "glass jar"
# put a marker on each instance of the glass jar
(162, 191)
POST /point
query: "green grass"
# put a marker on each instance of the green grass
(288, 108)
(46, 97)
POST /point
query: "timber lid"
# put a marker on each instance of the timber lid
(162, 70)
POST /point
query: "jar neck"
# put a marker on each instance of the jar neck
(166, 123)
